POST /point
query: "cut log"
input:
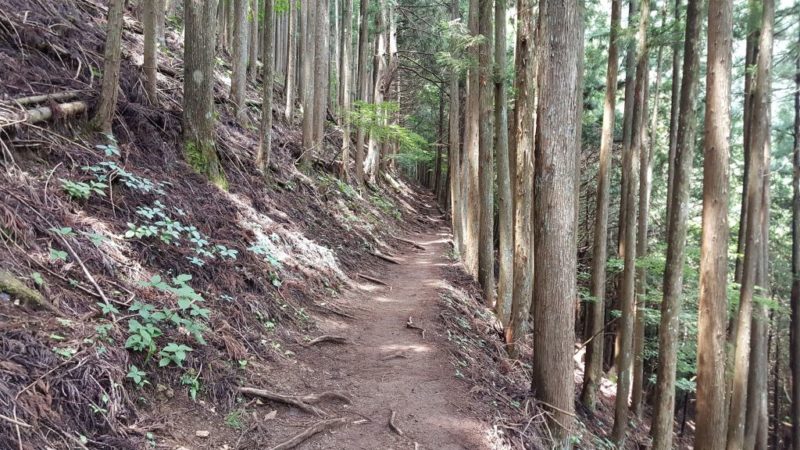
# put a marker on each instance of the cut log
(12, 286)
(41, 114)
(33, 99)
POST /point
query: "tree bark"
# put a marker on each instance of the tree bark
(759, 147)
(372, 163)
(593, 371)
(525, 69)
(794, 349)
(252, 60)
(713, 305)
(363, 48)
(485, 156)
(344, 73)
(321, 76)
(291, 65)
(265, 139)
(107, 104)
(308, 82)
(239, 72)
(471, 151)
(199, 143)
(150, 66)
(628, 287)
(505, 281)
(661, 428)
(557, 141)
(674, 111)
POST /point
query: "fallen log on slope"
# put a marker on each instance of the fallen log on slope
(40, 114)
(41, 98)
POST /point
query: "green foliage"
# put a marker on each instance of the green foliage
(80, 190)
(234, 419)
(191, 380)
(57, 255)
(138, 376)
(374, 120)
(198, 156)
(173, 353)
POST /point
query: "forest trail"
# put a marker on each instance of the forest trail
(387, 366)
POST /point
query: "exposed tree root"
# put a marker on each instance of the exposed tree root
(394, 426)
(374, 280)
(310, 431)
(326, 338)
(411, 243)
(410, 324)
(385, 258)
(393, 355)
(304, 403)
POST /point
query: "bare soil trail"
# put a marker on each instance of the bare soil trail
(387, 366)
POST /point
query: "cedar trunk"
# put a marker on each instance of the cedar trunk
(111, 63)
(505, 281)
(485, 156)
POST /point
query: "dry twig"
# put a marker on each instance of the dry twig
(394, 426)
(410, 324)
(310, 431)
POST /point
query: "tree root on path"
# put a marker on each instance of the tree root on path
(374, 280)
(393, 355)
(305, 402)
(310, 431)
(394, 426)
(326, 338)
(410, 324)
(385, 258)
(411, 243)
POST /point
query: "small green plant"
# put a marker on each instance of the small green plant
(138, 376)
(173, 353)
(142, 336)
(80, 190)
(57, 255)
(192, 382)
(234, 419)
(65, 352)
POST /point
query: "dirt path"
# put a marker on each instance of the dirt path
(433, 408)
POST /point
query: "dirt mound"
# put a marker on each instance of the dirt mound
(153, 287)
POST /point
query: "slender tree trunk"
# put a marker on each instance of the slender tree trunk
(674, 110)
(220, 34)
(485, 156)
(593, 371)
(265, 138)
(628, 288)
(161, 25)
(308, 82)
(437, 165)
(759, 145)
(198, 90)
(111, 66)
(661, 428)
(291, 64)
(150, 25)
(645, 184)
(557, 139)
(239, 73)
(713, 311)
(321, 79)
(252, 60)
(363, 48)
(505, 281)
(372, 163)
(794, 348)
(471, 152)
(525, 65)
(344, 73)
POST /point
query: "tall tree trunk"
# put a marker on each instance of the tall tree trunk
(674, 110)
(221, 34)
(505, 281)
(150, 25)
(794, 348)
(321, 80)
(628, 288)
(239, 73)
(198, 90)
(291, 64)
(661, 428)
(308, 81)
(759, 147)
(252, 60)
(557, 141)
(265, 138)
(471, 152)
(372, 163)
(593, 371)
(454, 153)
(525, 69)
(346, 82)
(713, 310)
(107, 104)
(437, 165)
(363, 91)
(485, 156)
(645, 184)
